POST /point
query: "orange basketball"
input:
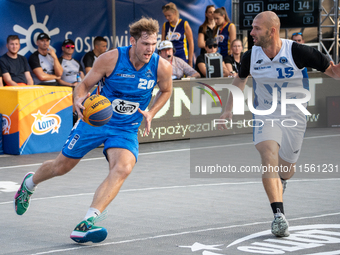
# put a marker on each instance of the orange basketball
(98, 110)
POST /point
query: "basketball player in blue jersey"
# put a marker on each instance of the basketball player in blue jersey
(130, 76)
(276, 63)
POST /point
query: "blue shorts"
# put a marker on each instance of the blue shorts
(84, 138)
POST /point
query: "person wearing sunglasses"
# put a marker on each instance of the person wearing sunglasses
(298, 37)
(14, 66)
(71, 66)
(210, 47)
(233, 61)
(44, 63)
(179, 32)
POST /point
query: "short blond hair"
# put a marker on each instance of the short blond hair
(171, 6)
(148, 25)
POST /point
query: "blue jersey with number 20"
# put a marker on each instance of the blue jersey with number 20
(129, 89)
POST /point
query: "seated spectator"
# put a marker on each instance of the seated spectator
(211, 46)
(14, 67)
(180, 68)
(44, 63)
(99, 47)
(233, 61)
(71, 67)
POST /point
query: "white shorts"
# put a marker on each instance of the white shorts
(288, 132)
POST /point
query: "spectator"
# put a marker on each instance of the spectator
(14, 67)
(44, 63)
(210, 47)
(70, 66)
(179, 66)
(99, 47)
(179, 33)
(233, 61)
(298, 37)
(225, 31)
(206, 30)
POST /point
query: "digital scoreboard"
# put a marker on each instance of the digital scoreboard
(292, 13)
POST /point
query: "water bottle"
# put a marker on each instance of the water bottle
(78, 77)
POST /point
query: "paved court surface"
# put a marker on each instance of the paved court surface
(162, 210)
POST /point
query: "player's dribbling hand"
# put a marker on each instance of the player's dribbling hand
(78, 105)
(226, 116)
(148, 119)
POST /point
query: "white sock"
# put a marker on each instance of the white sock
(30, 184)
(92, 212)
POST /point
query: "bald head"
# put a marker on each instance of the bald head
(269, 19)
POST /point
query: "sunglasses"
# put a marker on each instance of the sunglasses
(299, 33)
(214, 45)
(69, 46)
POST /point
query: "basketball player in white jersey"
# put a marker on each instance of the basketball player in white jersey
(276, 64)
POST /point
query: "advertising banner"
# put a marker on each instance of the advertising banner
(36, 119)
(79, 20)
(191, 110)
(83, 20)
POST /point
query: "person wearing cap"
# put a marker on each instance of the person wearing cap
(180, 68)
(44, 62)
(71, 67)
(15, 67)
(99, 47)
(211, 46)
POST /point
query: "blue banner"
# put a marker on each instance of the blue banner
(79, 20)
(83, 20)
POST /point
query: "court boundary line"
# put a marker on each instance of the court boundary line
(174, 187)
(169, 151)
(180, 233)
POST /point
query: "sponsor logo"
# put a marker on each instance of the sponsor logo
(283, 60)
(305, 239)
(124, 107)
(126, 75)
(259, 61)
(33, 31)
(100, 102)
(175, 36)
(73, 142)
(308, 239)
(6, 124)
(44, 124)
(149, 74)
(220, 38)
(262, 67)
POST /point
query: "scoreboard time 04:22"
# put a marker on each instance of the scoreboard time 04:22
(292, 13)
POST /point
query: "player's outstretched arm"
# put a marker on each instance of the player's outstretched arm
(227, 113)
(333, 71)
(102, 67)
(164, 73)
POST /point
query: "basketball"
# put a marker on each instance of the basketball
(98, 110)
